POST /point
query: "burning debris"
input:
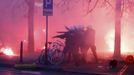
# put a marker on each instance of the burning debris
(7, 51)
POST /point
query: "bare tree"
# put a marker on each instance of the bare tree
(28, 10)
(30, 4)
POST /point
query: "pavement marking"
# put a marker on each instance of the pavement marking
(86, 73)
(31, 72)
(122, 71)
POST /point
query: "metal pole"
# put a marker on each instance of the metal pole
(46, 44)
(21, 52)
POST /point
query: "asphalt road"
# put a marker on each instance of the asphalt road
(81, 70)
(11, 71)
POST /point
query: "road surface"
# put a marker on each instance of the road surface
(11, 71)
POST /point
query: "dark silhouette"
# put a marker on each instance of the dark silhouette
(88, 41)
(113, 64)
(77, 42)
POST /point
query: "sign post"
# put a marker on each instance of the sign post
(47, 11)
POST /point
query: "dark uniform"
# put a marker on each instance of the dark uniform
(88, 42)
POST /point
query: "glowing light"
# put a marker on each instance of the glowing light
(44, 30)
(7, 51)
(38, 4)
(44, 47)
(109, 38)
(25, 41)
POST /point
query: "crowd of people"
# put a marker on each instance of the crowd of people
(78, 40)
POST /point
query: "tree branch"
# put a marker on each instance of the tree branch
(107, 1)
(90, 10)
(123, 7)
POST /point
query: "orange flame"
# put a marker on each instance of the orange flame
(8, 51)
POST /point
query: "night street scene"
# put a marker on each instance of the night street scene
(66, 37)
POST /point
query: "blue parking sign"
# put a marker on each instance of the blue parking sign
(47, 7)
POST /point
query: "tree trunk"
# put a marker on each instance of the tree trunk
(117, 43)
(31, 26)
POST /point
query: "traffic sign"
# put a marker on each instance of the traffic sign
(47, 7)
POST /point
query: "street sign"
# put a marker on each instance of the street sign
(47, 7)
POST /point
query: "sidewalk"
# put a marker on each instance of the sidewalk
(91, 69)
(94, 69)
